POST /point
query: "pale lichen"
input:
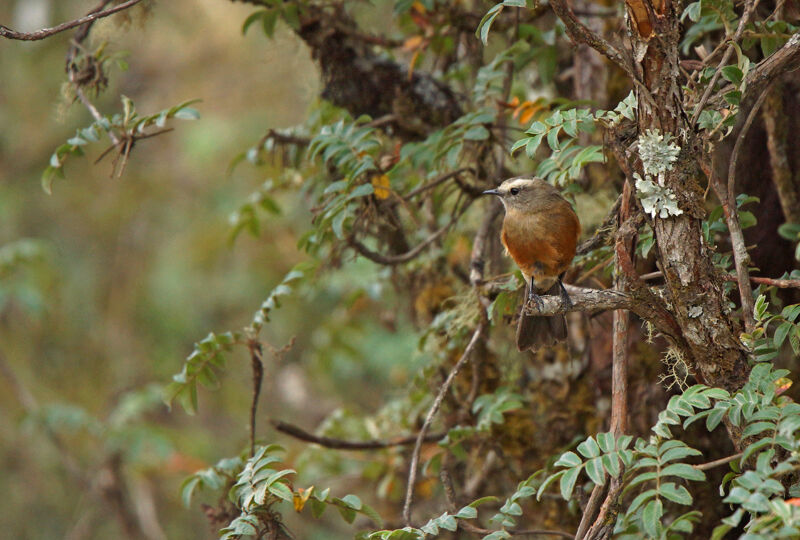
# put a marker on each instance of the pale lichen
(657, 200)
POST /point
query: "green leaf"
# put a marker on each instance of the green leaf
(467, 512)
(188, 113)
(678, 494)
(606, 442)
(781, 333)
(640, 499)
(683, 470)
(568, 459)
(253, 17)
(594, 468)
(352, 501)
(477, 133)
(567, 483)
(187, 489)
(486, 23)
(651, 517)
(589, 448)
(733, 74)
(756, 428)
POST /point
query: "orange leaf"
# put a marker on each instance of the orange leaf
(525, 117)
(381, 185)
(782, 385)
(412, 43)
(794, 502)
(300, 498)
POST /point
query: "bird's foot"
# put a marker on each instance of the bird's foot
(534, 302)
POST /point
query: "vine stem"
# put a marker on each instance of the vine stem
(412, 472)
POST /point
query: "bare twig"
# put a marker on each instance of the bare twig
(590, 510)
(749, 9)
(580, 33)
(391, 260)
(603, 230)
(437, 402)
(784, 60)
(780, 283)
(718, 462)
(595, 532)
(771, 282)
(433, 183)
(741, 258)
(340, 444)
(619, 377)
(47, 32)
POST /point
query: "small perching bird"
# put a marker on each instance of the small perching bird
(540, 232)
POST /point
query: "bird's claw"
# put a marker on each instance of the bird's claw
(534, 302)
(566, 302)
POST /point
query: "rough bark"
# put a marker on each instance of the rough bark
(360, 81)
(695, 292)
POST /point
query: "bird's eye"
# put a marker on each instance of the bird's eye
(514, 191)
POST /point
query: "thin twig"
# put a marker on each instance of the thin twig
(749, 9)
(433, 183)
(590, 510)
(391, 260)
(741, 258)
(47, 32)
(603, 230)
(624, 248)
(718, 462)
(340, 444)
(258, 377)
(772, 282)
(580, 33)
(437, 402)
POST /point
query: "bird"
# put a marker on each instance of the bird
(540, 232)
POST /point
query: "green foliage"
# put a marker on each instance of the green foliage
(288, 12)
(257, 484)
(129, 123)
(486, 23)
(567, 158)
(446, 521)
(655, 470)
(208, 356)
(784, 327)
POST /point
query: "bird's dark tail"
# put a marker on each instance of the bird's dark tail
(536, 331)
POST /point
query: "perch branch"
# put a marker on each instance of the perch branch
(8, 33)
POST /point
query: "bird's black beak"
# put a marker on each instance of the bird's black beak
(491, 192)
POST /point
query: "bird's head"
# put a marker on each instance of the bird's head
(524, 193)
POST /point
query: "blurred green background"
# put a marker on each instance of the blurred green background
(118, 277)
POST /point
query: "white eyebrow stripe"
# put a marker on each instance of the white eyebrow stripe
(519, 182)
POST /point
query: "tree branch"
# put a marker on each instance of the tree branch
(47, 32)
(580, 33)
(340, 444)
(741, 258)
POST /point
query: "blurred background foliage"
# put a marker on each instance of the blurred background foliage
(122, 275)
